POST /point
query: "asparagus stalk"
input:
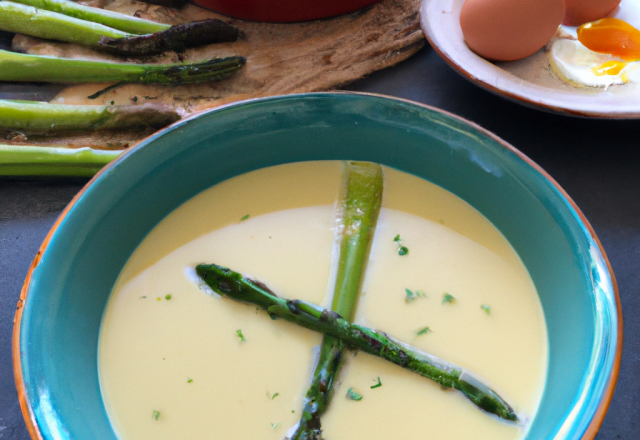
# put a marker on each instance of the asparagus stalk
(375, 342)
(111, 19)
(358, 212)
(40, 23)
(177, 38)
(37, 68)
(29, 160)
(43, 118)
(18, 18)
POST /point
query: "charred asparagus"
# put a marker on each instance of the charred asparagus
(43, 118)
(22, 67)
(235, 286)
(177, 38)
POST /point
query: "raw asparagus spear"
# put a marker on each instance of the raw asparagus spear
(23, 67)
(29, 160)
(18, 18)
(358, 212)
(42, 118)
(235, 286)
(111, 19)
(177, 38)
(41, 23)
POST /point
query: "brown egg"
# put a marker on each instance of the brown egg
(583, 11)
(506, 30)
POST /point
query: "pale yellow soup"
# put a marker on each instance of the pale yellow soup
(173, 366)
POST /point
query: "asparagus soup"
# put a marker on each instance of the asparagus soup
(176, 361)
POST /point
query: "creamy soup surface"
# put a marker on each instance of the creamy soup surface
(172, 363)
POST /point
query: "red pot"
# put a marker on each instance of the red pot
(281, 11)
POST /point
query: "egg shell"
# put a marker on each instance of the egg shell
(506, 30)
(583, 11)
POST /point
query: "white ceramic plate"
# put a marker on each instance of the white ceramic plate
(529, 81)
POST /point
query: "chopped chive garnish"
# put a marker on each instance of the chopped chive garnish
(245, 217)
(189, 380)
(486, 308)
(143, 297)
(293, 411)
(402, 250)
(410, 295)
(240, 335)
(351, 394)
(423, 331)
(378, 385)
(446, 298)
(275, 425)
(167, 296)
(156, 414)
(275, 395)
(413, 295)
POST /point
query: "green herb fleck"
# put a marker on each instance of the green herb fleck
(446, 298)
(275, 395)
(150, 97)
(240, 335)
(156, 414)
(293, 411)
(413, 295)
(402, 250)
(143, 297)
(245, 217)
(378, 385)
(410, 295)
(112, 102)
(423, 331)
(275, 425)
(167, 296)
(189, 380)
(486, 308)
(351, 394)
(134, 99)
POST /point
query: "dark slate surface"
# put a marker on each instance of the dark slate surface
(597, 163)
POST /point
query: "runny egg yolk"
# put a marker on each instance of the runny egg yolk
(612, 36)
(609, 68)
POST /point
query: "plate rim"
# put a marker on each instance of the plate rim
(498, 81)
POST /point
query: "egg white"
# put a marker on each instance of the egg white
(574, 63)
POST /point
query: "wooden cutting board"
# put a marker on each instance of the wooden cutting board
(281, 59)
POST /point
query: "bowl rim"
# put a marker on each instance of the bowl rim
(608, 391)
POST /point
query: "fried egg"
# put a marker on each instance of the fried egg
(573, 62)
(602, 53)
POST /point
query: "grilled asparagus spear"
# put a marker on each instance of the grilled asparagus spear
(233, 285)
(37, 68)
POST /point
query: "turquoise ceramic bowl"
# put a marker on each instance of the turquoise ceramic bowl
(58, 319)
